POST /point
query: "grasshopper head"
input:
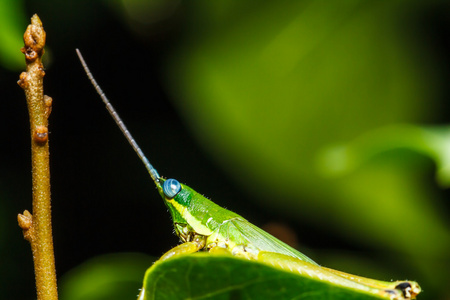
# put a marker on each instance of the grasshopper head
(183, 203)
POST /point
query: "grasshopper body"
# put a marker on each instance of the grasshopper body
(203, 225)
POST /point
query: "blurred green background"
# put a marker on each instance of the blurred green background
(329, 118)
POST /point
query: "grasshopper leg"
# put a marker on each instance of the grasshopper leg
(292, 264)
(185, 248)
(195, 245)
(410, 289)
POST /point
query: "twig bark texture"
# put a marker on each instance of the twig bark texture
(37, 226)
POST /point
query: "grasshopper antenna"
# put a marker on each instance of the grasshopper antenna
(153, 173)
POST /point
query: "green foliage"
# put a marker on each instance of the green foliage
(204, 276)
(112, 276)
(432, 142)
(12, 25)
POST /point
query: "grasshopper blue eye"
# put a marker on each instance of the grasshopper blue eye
(171, 188)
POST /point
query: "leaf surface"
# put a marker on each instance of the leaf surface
(205, 276)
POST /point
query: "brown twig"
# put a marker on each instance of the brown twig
(37, 227)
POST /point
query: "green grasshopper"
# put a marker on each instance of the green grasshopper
(203, 225)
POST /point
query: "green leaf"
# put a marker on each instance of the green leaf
(111, 276)
(12, 26)
(433, 142)
(205, 276)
